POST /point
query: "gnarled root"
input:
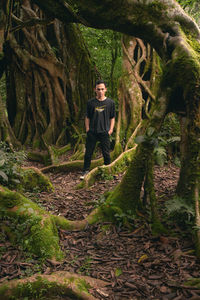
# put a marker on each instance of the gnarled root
(49, 286)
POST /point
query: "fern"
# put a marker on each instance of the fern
(160, 156)
(177, 208)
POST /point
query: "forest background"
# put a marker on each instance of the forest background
(42, 63)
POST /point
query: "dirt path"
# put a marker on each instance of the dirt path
(135, 264)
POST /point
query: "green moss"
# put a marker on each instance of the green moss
(3, 291)
(95, 216)
(41, 236)
(33, 178)
(193, 282)
(40, 289)
(44, 240)
(42, 157)
(117, 151)
(9, 199)
(63, 223)
(158, 228)
(127, 194)
(149, 12)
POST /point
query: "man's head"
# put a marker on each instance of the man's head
(100, 89)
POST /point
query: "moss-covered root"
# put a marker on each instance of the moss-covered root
(58, 284)
(32, 178)
(29, 225)
(94, 217)
(156, 225)
(69, 166)
(77, 165)
(193, 283)
(45, 157)
(102, 172)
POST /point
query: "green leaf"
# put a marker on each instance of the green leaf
(4, 176)
(2, 162)
(174, 139)
(21, 209)
(118, 272)
(139, 139)
(150, 131)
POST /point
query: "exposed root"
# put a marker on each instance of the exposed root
(118, 165)
(48, 286)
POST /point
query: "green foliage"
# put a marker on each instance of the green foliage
(171, 126)
(105, 49)
(104, 174)
(193, 282)
(86, 266)
(166, 143)
(9, 165)
(39, 289)
(160, 151)
(192, 7)
(125, 218)
(101, 200)
(179, 211)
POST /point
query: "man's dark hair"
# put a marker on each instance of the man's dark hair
(100, 82)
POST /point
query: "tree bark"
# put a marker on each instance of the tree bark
(59, 284)
(176, 38)
(51, 80)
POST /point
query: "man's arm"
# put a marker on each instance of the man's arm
(87, 124)
(112, 124)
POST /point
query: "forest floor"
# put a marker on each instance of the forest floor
(135, 264)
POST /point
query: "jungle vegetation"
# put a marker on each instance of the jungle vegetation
(51, 53)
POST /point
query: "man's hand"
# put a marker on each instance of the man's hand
(87, 124)
(110, 131)
(112, 124)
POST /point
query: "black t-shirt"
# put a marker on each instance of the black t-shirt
(100, 113)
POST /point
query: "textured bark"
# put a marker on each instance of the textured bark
(47, 73)
(137, 87)
(175, 36)
(64, 284)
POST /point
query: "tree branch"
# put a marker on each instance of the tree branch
(32, 22)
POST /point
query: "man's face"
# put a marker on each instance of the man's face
(100, 90)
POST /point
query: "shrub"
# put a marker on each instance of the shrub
(10, 162)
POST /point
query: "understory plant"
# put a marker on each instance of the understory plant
(10, 162)
(180, 212)
(166, 143)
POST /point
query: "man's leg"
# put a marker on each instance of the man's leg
(104, 139)
(90, 146)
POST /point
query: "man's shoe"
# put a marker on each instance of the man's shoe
(83, 175)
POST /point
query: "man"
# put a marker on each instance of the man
(99, 125)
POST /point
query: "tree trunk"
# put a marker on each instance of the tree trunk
(137, 87)
(51, 80)
(175, 36)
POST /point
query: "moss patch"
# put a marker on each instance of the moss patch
(29, 225)
(33, 178)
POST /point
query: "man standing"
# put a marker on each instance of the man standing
(99, 125)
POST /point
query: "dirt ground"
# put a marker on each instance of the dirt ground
(135, 264)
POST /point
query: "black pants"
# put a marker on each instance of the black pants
(91, 141)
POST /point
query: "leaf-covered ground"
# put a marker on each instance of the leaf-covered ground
(135, 264)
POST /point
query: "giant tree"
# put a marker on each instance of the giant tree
(49, 78)
(175, 36)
